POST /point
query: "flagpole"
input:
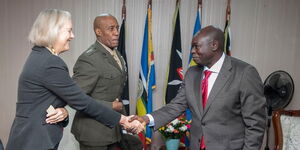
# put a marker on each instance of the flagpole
(124, 10)
(150, 4)
(227, 34)
(200, 7)
(228, 10)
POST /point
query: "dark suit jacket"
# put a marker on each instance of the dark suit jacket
(99, 75)
(234, 116)
(1, 145)
(45, 81)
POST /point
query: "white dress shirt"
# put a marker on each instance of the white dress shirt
(215, 69)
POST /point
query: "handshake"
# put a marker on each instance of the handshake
(134, 124)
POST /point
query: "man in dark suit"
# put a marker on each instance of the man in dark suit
(232, 114)
(100, 71)
(1, 145)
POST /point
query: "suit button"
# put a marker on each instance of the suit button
(203, 124)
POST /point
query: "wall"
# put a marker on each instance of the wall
(265, 34)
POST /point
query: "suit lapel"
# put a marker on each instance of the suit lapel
(197, 91)
(220, 82)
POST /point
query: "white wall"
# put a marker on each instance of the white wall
(265, 33)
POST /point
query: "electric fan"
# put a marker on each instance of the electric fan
(278, 90)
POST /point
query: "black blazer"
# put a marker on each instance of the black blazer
(1, 145)
(45, 81)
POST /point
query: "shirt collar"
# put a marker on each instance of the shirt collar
(112, 52)
(217, 66)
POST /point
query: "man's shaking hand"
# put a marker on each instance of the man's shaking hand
(131, 125)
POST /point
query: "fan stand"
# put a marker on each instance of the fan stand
(269, 117)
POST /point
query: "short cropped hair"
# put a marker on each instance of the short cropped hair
(104, 15)
(45, 29)
(214, 33)
(97, 19)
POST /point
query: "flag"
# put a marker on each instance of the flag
(197, 28)
(122, 50)
(175, 72)
(227, 33)
(147, 74)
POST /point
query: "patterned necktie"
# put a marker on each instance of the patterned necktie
(204, 98)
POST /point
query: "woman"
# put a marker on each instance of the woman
(45, 82)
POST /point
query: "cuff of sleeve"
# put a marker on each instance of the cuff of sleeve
(65, 122)
(151, 120)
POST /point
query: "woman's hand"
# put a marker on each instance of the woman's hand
(56, 116)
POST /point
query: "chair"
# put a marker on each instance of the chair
(287, 129)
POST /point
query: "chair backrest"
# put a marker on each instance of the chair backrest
(287, 129)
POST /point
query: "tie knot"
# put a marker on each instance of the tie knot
(207, 73)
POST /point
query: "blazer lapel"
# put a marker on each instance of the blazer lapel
(197, 91)
(220, 82)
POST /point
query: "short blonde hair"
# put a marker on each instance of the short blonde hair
(44, 30)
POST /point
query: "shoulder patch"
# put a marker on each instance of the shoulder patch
(90, 51)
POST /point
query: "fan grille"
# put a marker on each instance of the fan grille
(279, 89)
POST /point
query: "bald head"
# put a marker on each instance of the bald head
(213, 34)
(98, 22)
(106, 29)
(208, 45)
